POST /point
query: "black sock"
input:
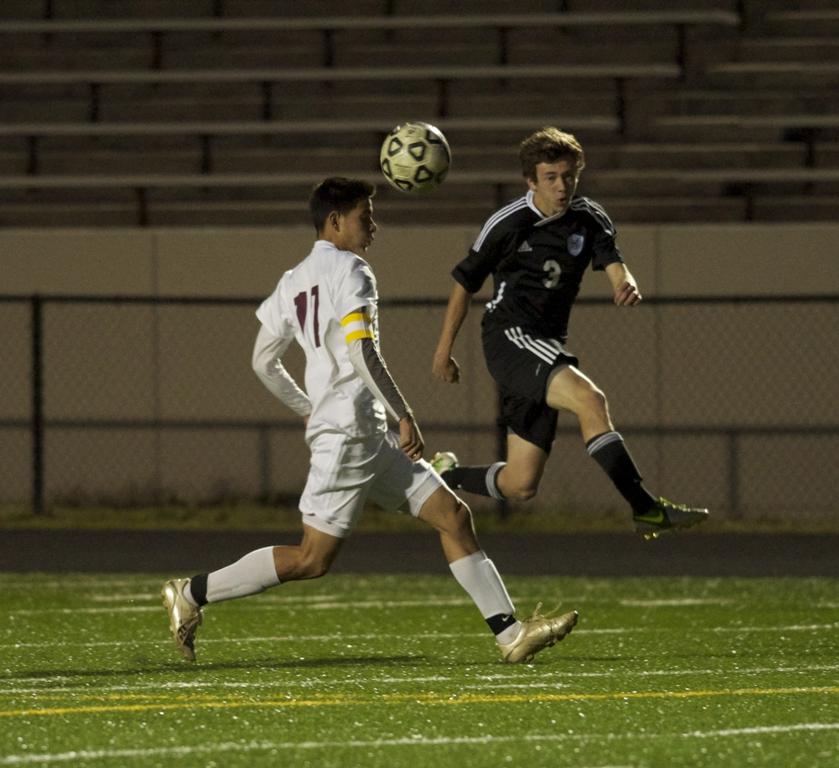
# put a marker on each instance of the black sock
(500, 622)
(609, 451)
(198, 587)
(480, 480)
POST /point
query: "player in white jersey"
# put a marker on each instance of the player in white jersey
(328, 304)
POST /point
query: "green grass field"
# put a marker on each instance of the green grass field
(400, 671)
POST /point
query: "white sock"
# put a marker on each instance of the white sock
(478, 576)
(249, 575)
(188, 594)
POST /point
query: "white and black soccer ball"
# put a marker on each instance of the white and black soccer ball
(415, 157)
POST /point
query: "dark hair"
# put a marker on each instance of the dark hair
(549, 145)
(337, 193)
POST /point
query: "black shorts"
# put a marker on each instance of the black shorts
(521, 364)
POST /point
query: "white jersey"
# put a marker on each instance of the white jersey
(309, 303)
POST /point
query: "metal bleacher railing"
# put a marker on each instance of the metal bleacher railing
(613, 81)
(327, 27)
(498, 25)
(686, 88)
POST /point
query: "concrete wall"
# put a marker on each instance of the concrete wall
(724, 260)
(719, 373)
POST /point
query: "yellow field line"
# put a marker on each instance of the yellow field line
(416, 698)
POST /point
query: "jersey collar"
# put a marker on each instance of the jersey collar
(542, 218)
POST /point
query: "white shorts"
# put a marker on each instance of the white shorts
(347, 472)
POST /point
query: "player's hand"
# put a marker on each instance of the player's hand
(445, 368)
(410, 438)
(627, 295)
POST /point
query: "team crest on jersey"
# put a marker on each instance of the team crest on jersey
(576, 243)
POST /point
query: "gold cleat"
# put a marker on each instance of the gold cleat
(184, 617)
(537, 633)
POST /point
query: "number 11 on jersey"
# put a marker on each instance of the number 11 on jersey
(301, 303)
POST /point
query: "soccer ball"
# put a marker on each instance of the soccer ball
(415, 157)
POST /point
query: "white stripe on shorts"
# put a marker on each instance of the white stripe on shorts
(545, 349)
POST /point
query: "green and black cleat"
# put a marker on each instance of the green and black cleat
(443, 461)
(665, 516)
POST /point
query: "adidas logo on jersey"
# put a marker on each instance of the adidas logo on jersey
(525, 247)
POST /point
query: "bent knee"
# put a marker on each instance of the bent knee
(521, 492)
(595, 401)
(519, 485)
(455, 517)
(313, 567)
(459, 516)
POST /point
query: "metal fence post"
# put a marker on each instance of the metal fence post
(264, 462)
(734, 474)
(503, 505)
(37, 406)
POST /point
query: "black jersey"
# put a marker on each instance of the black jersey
(537, 262)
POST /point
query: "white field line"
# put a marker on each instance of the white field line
(330, 638)
(150, 588)
(83, 611)
(78, 583)
(547, 679)
(308, 601)
(328, 601)
(153, 596)
(759, 730)
(678, 602)
(338, 637)
(274, 599)
(415, 740)
(9, 582)
(150, 591)
(322, 606)
(314, 603)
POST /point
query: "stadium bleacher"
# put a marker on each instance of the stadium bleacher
(227, 113)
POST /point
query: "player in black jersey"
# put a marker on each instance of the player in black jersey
(537, 249)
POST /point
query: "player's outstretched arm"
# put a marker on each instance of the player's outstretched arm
(266, 362)
(624, 287)
(444, 367)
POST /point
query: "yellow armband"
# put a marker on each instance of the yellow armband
(357, 325)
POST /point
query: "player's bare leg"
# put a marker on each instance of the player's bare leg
(253, 573)
(452, 519)
(519, 478)
(310, 559)
(518, 641)
(569, 389)
(572, 390)
(516, 479)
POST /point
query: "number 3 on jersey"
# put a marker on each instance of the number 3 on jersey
(301, 303)
(554, 271)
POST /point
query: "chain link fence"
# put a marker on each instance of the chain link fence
(132, 401)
